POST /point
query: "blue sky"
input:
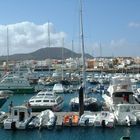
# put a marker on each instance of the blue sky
(114, 23)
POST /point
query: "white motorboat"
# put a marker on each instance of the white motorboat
(18, 119)
(125, 114)
(87, 119)
(119, 91)
(45, 119)
(46, 100)
(104, 119)
(58, 88)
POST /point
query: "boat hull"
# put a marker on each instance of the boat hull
(92, 107)
(38, 108)
(19, 90)
(2, 101)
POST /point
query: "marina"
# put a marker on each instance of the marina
(87, 126)
(56, 89)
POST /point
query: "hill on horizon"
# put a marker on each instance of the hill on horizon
(45, 53)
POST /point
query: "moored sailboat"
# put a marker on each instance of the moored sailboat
(89, 103)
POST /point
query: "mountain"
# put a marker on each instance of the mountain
(44, 53)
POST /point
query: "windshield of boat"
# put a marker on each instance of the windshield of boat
(120, 81)
(59, 99)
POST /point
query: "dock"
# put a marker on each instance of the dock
(59, 116)
(59, 119)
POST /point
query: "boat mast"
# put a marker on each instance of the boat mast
(100, 60)
(62, 59)
(49, 44)
(7, 61)
(82, 44)
(82, 88)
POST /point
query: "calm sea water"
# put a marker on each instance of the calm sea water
(66, 133)
(72, 134)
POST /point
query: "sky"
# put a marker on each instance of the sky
(111, 27)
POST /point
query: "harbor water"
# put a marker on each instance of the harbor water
(72, 134)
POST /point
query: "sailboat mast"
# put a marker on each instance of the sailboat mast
(49, 44)
(82, 43)
(82, 88)
(72, 45)
(100, 51)
(62, 58)
(7, 48)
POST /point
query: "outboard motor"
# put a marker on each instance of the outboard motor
(87, 122)
(70, 121)
(103, 124)
(13, 125)
(128, 121)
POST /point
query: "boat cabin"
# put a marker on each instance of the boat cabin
(20, 113)
(18, 118)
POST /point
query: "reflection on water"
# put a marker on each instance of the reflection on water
(127, 131)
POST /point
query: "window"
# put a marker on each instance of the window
(40, 94)
(45, 100)
(38, 100)
(31, 101)
(15, 113)
(52, 101)
(59, 100)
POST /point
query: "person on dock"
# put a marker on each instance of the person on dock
(29, 109)
(10, 107)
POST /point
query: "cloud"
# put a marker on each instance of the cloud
(26, 37)
(134, 25)
(120, 47)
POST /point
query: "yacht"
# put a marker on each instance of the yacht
(16, 84)
(119, 92)
(46, 100)
(18, 119)
(126, 114)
